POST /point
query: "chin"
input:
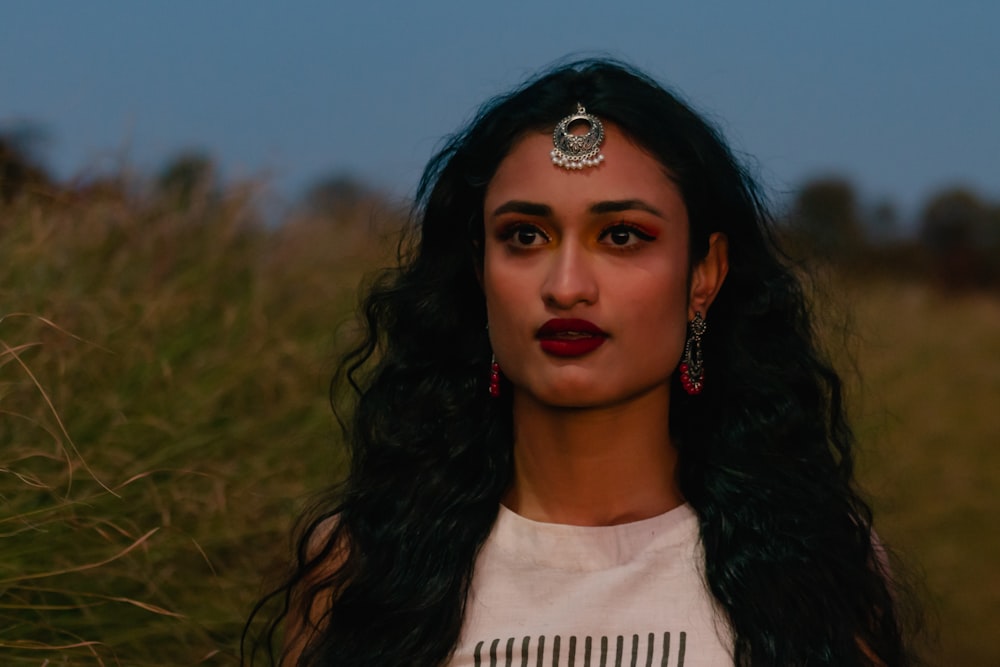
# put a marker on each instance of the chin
(583, 395)
(578, 398)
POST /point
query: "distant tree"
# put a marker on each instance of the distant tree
(991, 228)
(992, 245)
(339, 197)
(881, 222)
(825, 218)
(188, 177)
(955, 226)
(20, 168)
(952, 219)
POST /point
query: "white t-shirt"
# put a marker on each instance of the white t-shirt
(630, 595)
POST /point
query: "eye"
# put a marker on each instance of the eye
(523, 235)
(623, 235)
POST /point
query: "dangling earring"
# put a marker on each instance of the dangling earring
(494, 371)
(494, 377)
(692, 366)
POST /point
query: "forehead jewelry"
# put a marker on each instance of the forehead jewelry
(576, 151)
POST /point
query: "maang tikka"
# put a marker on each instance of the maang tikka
(692, 366)
(576, 151)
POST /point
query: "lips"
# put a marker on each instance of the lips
(570, 337)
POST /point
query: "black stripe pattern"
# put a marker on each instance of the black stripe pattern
(554, 651)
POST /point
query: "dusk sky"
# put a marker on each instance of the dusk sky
(902, 98)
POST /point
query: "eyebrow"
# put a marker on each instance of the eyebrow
(523, 207)
(543, 210)
(625, 205)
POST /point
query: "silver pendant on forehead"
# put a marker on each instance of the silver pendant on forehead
(576, 151)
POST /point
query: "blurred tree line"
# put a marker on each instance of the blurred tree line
(954, 239)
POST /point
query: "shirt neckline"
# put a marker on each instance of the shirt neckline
(585, 548)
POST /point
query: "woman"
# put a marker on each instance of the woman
(593, 425)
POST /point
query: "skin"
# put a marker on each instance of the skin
(607, 244)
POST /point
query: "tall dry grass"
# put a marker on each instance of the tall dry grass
(163, 376)
(163, 413)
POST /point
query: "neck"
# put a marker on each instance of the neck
(595, 466)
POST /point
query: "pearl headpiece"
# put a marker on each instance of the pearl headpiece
(576, 151)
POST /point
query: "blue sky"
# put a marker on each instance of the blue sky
(903, 98)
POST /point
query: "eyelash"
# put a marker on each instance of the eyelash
(635, 230)
(510, 232)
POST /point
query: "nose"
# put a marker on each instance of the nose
(570, 278)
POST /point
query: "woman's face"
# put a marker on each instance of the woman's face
(586, 274)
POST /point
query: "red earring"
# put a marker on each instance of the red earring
(494, 377)
(692, 365)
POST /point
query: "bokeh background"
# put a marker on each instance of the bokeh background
(191, 193)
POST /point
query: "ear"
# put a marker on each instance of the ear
(708, 275)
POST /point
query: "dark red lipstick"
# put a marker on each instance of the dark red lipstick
(570, 337)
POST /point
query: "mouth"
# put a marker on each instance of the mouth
(570, 337)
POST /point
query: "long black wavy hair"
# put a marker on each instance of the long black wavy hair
(765, 451)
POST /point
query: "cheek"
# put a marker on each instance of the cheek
(657, 312)
(508, 294)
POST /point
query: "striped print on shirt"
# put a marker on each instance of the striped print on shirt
(554, 652)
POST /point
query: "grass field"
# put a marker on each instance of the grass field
(163, 415)
(929, 413)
